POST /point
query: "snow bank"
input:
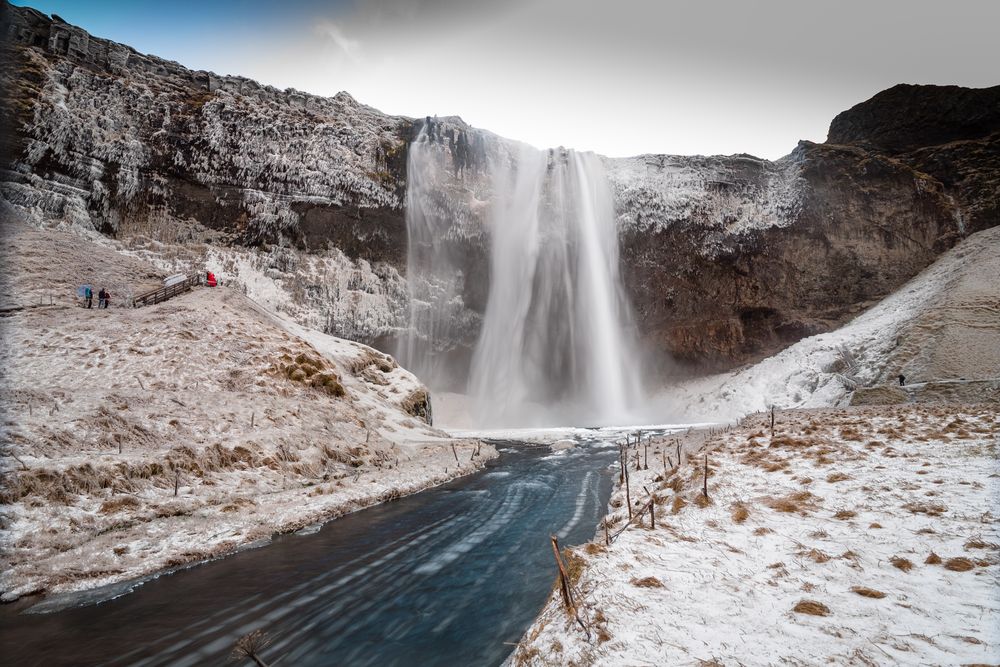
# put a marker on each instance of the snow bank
(865, 536)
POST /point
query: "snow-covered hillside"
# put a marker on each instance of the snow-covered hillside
(862, 536)
(143, 439)
(873, 348)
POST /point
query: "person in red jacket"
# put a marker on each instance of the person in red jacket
(210, 279)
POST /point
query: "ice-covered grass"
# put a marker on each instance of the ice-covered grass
(866, 535)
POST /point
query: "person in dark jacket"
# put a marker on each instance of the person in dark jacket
(102, 298)
(88, 294)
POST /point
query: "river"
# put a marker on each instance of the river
(449, 576)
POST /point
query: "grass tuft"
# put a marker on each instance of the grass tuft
(864, 591)
(959, 564)
(647, 582)
(811, 607)
(901, 563)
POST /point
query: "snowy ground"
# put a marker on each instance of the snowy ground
(135, 440)
(862, 536)
(945, 323)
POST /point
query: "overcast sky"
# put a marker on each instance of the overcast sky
(620, 77)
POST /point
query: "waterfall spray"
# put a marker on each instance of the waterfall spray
(555, 345)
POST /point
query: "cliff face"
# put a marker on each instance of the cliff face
(300, 199)
(775, 252)
(731, 259)
(131, 145)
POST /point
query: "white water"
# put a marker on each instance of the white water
(555, 344)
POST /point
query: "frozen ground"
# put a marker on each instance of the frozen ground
(851, 536)
(945, 323)
(135, 440)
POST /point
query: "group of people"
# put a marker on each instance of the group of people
(103, 297)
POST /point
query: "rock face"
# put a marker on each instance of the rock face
(300, 199)
(774, 252)
(135, 146)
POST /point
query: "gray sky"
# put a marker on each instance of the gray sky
(620, 77)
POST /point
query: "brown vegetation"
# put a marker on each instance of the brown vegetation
(811, 607)
(868, 592)
(799, 502)
(647, 582)
(901, 563)
(959, 564)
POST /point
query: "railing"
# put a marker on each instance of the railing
(168, 292)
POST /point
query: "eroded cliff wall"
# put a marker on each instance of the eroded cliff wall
(301, 199)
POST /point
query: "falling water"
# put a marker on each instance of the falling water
(555, 344)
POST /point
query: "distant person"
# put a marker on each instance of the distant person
(107, 299)
(102, 299)
(902, 379)
(88, 295)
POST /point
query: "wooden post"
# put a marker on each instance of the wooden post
(455, 452)
(645, 456)
(177, 480)
(663, 454)
(670, 461)
(652, 512)
(772, 421)
(567, 593)
(704, 488)
(252, 415)
(679, 461)
(628, 495)
(607, 537)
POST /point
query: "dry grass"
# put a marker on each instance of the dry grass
(930, 509)
(901, 563)
(311, 370)
(678, 504)
(815, 555)
(837, 477)
(647, 582)
(118, 504)
(868, 592)
(371, 358)
(979, 543)
(800, 502)
(811, 607)
(874, 525)
(959, 564)
(740, 513)
(843, 515)
(933, 559)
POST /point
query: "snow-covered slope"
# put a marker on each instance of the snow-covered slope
(866, 536)
(873, 348)
(141, 439)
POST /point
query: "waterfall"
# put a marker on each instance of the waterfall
(555, 344)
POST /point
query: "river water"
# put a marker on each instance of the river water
(449, 576)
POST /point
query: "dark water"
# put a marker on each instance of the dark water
(445, 577)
